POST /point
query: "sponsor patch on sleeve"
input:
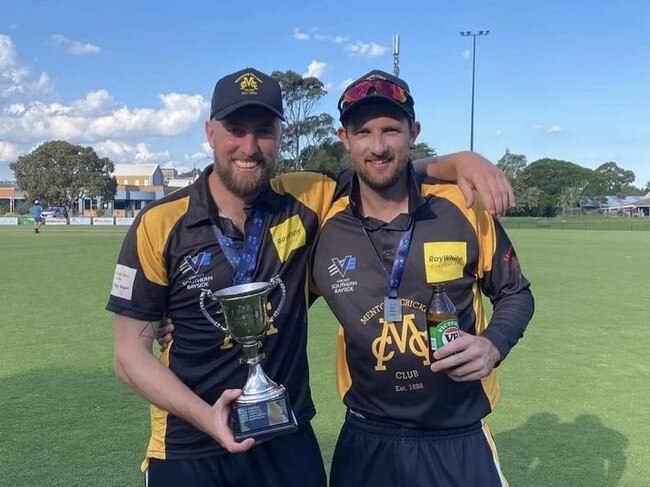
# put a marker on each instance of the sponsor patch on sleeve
(123, 280)
(288, 236)
(444, 261)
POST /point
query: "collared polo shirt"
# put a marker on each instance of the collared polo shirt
(171, 254)
(383, 367)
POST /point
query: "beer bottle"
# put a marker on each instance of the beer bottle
(442, 319)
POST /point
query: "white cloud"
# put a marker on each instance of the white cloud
(497, 133)
(467, 54)
(96, 117)
(8, 151)
(15, 78)
(301, 36)
(366, 49)
(75, 48)
(553, 129)
(334, 39)
(315, 69)
(122, 152)
(205, 152)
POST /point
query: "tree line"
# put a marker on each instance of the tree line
(546, 186)
(58, 172)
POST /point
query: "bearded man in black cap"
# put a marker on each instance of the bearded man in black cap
(236, 224)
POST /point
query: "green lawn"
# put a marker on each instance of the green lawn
(575, 399)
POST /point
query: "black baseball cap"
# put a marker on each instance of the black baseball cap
(244, 88)
(374, 86)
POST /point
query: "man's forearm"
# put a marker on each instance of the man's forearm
(141, 370)
(510, 318)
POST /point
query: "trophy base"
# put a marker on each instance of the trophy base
(262, 419)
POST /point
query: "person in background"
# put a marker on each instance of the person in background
(37, 215)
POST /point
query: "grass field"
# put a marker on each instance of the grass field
(575, 396)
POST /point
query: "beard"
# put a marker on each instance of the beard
(245, 186)
(383, 180)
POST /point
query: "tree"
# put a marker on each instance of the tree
(58, 172)
(422, 150)
(330, 155)
(555, 179)
(512, 165)
(616, 177)
(303, 128)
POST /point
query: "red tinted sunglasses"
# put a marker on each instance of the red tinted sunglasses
(371, 87)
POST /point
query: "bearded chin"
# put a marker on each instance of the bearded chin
(244, 187)
(379, 185)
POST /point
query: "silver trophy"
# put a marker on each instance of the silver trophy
(263, 409)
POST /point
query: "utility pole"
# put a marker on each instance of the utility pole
(467, 33)
(396, 55)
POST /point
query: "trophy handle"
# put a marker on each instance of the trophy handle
(276, 281)
(204, 293)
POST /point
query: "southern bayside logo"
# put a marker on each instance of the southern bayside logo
(190, 270)
(194, 263)
(341, 267)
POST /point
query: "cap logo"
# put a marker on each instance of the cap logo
(248, 84)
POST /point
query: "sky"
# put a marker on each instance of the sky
(564, 79)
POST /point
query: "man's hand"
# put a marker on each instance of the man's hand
(478, 174)
(221, 416)
(469, 357)
(473, 172)
(164, 333)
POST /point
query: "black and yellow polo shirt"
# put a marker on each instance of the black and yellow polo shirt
(382, 366)
(171, 253)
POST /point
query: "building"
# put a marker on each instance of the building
(137, 186)
(12, 200)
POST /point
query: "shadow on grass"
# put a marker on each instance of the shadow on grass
(545, 451)
(62, 428)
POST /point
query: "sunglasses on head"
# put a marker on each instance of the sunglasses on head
(371, 87)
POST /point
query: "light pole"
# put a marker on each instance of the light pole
(467, 33)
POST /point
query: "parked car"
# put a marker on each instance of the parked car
(55, 212)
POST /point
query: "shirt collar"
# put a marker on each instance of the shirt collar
(202, 208)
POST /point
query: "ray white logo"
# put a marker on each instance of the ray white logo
(342, 266)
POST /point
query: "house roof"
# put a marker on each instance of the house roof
(614, 202)
(135, 169)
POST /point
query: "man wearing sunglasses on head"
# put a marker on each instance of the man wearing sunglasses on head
(236, 224)
(382, 247)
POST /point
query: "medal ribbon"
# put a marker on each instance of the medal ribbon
(243, 264)
(400, 262)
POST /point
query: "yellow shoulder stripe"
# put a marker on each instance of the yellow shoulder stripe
(152, 234)
(314, 190)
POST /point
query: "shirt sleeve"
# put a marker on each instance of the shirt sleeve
(509, 291)
(139, 288)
